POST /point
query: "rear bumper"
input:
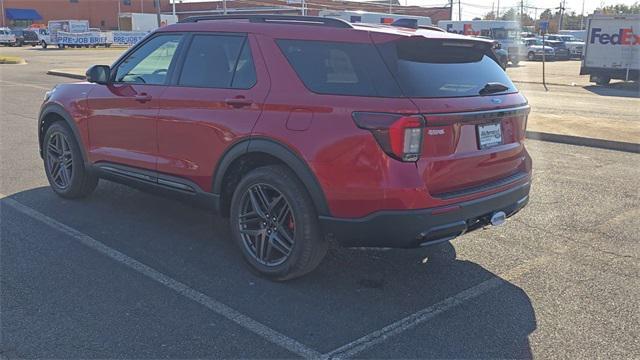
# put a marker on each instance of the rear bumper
(415, 228)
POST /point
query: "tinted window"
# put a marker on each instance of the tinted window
(340, 68)
(245, 75)
(149, 64)
(218, 61)
(430, 68)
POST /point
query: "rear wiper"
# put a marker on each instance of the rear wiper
(493, 87)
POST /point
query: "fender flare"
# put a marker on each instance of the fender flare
(57, 109)
(284, 154)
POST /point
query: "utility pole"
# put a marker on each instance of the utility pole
(118, 19)
(174, 7)
(450, 9)
(390, 6)
(224, 7)
(157, 3)
(142, 6)
(2, 5)
(498, 10)
(582, 17)
(521, 12)
(303, 10)
(562, 2)
(459, 10)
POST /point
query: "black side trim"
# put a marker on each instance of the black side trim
(484, 187)
(284, 154)
(172, 186)
(57, 109)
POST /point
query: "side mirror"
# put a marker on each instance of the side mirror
(99, 74)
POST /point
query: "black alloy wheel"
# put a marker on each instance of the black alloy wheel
(59, 160)
(267, 225)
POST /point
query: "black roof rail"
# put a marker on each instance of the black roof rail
(293, 19)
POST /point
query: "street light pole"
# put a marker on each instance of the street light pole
(224, 7)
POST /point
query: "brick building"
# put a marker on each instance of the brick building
(104, 13)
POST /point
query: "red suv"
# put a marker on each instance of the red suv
(301, 130)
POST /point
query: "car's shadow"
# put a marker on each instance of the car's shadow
(618, 89)
(352, 293)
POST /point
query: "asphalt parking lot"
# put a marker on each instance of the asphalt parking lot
(126, 274)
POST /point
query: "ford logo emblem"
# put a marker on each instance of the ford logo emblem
(496, 101)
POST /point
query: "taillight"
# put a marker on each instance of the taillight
(399, 135)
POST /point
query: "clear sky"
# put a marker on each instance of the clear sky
(473, 8)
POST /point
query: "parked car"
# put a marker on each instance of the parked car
(575, 46)
(535, 49)
(559, 48)
(25, 37)
(301, 130)
(7, 38)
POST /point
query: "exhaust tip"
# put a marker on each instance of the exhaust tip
(498, 218)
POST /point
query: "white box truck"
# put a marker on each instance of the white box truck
(375, 18)
(612, 49)
(505, 32)
(144, 22)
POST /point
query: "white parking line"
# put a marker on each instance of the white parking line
(346, 351)
(11, 83)
(355, 347)
(219, 308)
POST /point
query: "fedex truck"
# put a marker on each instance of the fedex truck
(612, 49)
(505, 32)
(374, 17)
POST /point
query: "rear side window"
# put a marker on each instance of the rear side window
(339, 68)
(218, 61)
(435, 68)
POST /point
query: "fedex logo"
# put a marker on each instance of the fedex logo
(623, 37)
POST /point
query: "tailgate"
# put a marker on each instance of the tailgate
(470, 151)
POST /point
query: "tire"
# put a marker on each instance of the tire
(515, 62)
(60, 146)
(531, 56)
(43, 44)
(297, 230)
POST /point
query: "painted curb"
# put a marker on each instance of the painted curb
(584, 141)
(66, 74)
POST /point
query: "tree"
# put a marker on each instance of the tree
(619, 9)
(510, 15)
(491, 15)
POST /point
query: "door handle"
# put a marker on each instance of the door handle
(239, 102)
(142, 97)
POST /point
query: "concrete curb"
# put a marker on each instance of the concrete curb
(584, 141)
(551, 84)
(66, 74)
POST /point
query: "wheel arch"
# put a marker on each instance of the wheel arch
(54, 112)
(248, 154)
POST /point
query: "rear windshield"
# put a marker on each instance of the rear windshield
(436, 68)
